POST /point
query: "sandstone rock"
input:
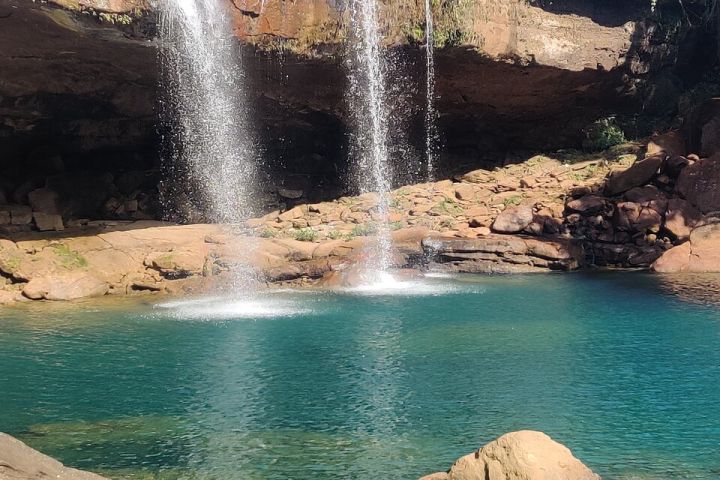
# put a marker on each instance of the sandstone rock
(638, 174)
(524, 455)
(513, 219)
(464, 191)
(19, 214)
(67, 286)
(20, 462)
(699, 184)
(681, 218)
(701, 254)
(634, 217)
(48, 221)
(587, 205)
(292, 214)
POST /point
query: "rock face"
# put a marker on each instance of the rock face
(701, 254)
(523, 455)
(699, 184)
(20, 462)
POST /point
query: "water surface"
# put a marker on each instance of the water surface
(624, 369)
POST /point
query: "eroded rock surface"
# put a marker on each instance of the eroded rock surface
(523, 455)
(20, 462)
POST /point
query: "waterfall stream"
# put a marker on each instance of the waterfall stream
(211, 149)
(431, 134)
(367, 98)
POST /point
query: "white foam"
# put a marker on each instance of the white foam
(224, 308)
(385, 284)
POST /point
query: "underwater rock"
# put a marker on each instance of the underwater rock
(523, 455)
(20, 462)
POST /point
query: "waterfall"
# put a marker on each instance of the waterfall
(202, 80)
(431, 134)
(367, 99)
(209, 150)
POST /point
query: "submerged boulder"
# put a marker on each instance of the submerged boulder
(523, 455)
(20, 462)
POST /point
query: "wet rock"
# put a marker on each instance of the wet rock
(638, 174)
(290, 194)
(524, 455)
(681, 217)
(513, 219)
(20, 462)
(699, 184)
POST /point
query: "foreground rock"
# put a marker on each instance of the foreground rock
(524, 455)
(701, 254)
(20, 462)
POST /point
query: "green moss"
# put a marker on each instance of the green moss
(305, 235)
(69, 259)
(10, 265)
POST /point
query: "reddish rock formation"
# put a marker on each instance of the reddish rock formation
(699, 184)
(701, 254)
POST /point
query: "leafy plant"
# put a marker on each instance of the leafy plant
(602, 134)
(305, 235)
(363, 230)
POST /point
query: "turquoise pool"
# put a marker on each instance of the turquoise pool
(622, 368)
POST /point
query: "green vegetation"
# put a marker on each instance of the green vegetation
(267, 233)
(68, 258)
(396, 225)
(512, 201)
(364, 230)
(448, 207)
(305, 235)
(602, 134)
(334, 234)
(10, 265)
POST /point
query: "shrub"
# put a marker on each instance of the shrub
(602, 134)
(306, 235)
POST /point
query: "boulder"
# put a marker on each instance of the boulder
(701, 254)
(65, 286)
(523, 455)
(20, 462)
(669, 143)
(681, 217)
(46, 222)
(587, 205)
(699, 184)
(44, 200)
(638, 174)
(513, 219)
(635, 217)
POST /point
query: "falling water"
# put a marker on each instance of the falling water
(431, 134)
(367, 97)
(203, 83)
(211, 151)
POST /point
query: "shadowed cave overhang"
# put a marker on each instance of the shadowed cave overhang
(79, 77)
